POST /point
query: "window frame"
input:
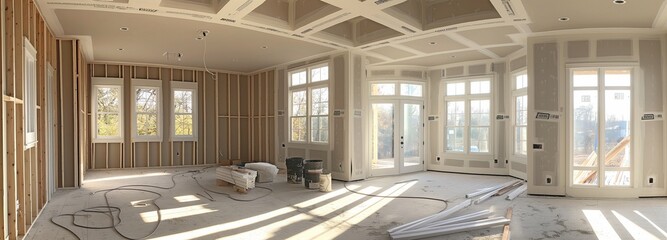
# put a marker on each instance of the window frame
(30, 94)
(98, 82)
(185, 86)
(150, 84)
(516, 93)
(467, 97)
(308, 86)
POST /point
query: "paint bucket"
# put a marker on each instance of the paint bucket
(325, 182)
(294, 169)
(312, 171)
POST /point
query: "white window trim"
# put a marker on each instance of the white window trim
(517, 93)
(308, 87)
(30, 93)
(467, 97)
(107, 82)
(195, 110)
(145, 83)
(397, 89)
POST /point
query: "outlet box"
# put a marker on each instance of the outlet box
(437, 158)
(495, 161)
(548, 180)
(507, 161)
(651, 180)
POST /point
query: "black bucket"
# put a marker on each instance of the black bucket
(312, 172)
(294, 169)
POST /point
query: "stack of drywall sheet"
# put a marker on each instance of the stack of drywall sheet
(242, 178)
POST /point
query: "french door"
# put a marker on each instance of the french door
(397, 136)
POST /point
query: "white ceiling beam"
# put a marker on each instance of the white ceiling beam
(237, 9)
(145, 3)
(325, 22)
(374, 12)
(660, 21)
(470, 44)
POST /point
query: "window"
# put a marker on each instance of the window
(309, 104)
(601, 126)
(147, 110)
(107, 99)
(520, 123)
(411, 90)
(468, 116)
(30, 94)
(383, 89)
(184, 124)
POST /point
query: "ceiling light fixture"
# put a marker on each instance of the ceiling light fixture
(563, 19)
(619, 2)
(124, 29)
(432, 43)
(120, 49)
(264, 47)
(452, 56)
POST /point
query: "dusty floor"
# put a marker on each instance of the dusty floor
(293, 212)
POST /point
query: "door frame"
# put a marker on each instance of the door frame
(399, 167)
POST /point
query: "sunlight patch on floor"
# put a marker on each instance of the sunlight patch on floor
(174, 213)
(600, 225)
(337, 225)
(635, 230)
(664, 234)
(125, 177)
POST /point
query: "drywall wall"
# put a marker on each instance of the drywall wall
(492, 163)
(549, 60)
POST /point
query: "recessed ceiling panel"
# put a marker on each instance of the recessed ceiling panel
(205, 6)
(504, 51)
(228, 48)
(311, 9)
(490, 36)
(591, 14)
(442, 59)
(433, 44)
(392, 52)
(278, 9)
(440, 13)
(360, 31)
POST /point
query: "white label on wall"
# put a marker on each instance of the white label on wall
(357, 113)
(547, 116)
(432, 117)
(281, 113)
(339, 113)
(652, 116)
(538, 147)
(502, 117)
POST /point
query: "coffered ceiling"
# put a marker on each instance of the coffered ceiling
(249, 35)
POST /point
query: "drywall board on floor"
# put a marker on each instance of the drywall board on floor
(578, 49)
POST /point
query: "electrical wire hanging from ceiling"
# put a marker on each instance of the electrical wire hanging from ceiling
(204, 34)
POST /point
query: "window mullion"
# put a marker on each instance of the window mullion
(601, 128)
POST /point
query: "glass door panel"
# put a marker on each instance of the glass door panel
(382, 136)
(411, 139)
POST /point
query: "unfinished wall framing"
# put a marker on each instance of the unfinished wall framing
(24, 191)
(235, 119)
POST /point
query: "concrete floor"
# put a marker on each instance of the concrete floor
(293, 212)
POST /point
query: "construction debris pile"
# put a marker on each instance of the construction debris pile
(441, 223)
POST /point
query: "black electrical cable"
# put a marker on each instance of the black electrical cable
(116, 219)
(400, 197)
